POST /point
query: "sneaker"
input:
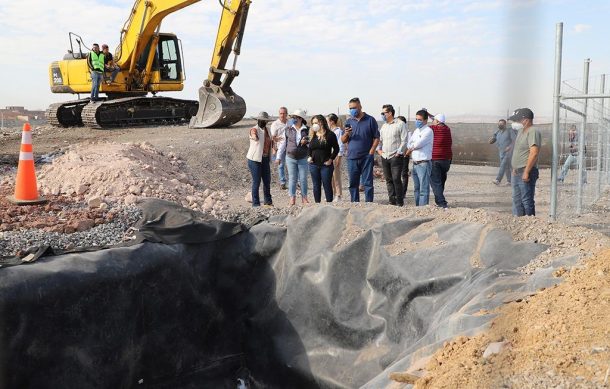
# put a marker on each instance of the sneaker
(283, 187)
(496, 182)
(337, 199)
(305, 201)
(508, 184)
(268, 205)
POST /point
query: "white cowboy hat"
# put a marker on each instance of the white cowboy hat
(299, 112)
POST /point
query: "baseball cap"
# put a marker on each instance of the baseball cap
(440, 117)
(522, 113)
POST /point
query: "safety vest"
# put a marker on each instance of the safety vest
(97, 61)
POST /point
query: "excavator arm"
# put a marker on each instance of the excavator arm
(218, 104)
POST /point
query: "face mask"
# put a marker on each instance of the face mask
(382, 117)
(262, 124)
(419, 123)
(292, 122)
(315, 127)
(353, 112)
(517, 126)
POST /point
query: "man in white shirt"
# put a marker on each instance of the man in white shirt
(277, 131)
(420, 150)
(393, 142)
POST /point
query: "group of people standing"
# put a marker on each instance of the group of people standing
(320, 148)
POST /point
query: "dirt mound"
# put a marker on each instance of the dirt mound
(557, 338)
(125, 173)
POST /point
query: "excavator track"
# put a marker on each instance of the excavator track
(138, 111)
(66, 114)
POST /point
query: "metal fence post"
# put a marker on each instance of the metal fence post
(600, 138)
(581, 139)
(555, 135)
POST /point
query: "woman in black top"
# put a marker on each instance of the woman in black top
(323, 149)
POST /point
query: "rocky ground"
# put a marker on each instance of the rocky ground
(93, 180)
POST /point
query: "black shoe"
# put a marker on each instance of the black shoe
(268, 205)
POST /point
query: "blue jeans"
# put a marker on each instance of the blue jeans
(357, 169)
(114, 71)
(260, 171)
(523, 193)
(438, 177)
(572, 160)
(322, 176)
(96, 80)
(505, 168)
(281, 169)
(297, 168)
(421, 183)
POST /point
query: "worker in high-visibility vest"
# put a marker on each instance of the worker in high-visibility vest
(96, 64)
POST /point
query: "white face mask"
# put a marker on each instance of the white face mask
(517, 126)
(315, 127)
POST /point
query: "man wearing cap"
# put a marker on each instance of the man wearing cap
(109, 65)
(525, 162)
(362, 136)
(258, 159)
(420, 150)
(278, 129)
(96, 65)
(504, 139)
(441, 159)
(393, 142)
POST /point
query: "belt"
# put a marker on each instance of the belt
(418, 162)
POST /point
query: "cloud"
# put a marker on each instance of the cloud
(579, 28)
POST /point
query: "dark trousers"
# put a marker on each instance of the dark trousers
(523, 193)
(405, 176)
(438, 177)
(392, 171)
(357, 169)
(322, 176)
(260, 171)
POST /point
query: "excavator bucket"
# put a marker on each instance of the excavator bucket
(218, 108)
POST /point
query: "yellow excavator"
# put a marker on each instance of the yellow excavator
(150, 62)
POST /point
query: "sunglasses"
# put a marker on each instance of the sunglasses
(384, 113)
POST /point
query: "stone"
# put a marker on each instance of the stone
(82, 189)
(130, 199)
(404, 377)
(83, 225)
(94, 202)
(248, 197)
(103, 206)
(134, 189)
(494, 348)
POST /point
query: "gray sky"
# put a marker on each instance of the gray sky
(466, 58)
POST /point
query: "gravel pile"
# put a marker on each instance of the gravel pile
(125, 173)
(16, 242)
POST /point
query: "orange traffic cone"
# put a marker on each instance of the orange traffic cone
(26, 190)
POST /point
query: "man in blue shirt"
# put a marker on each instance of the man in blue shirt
(362, 137)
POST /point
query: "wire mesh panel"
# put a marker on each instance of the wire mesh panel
(583, 194)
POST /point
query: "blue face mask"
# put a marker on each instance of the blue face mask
(419, 123)
(353, 112)
(383, 119)
(292, 122)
